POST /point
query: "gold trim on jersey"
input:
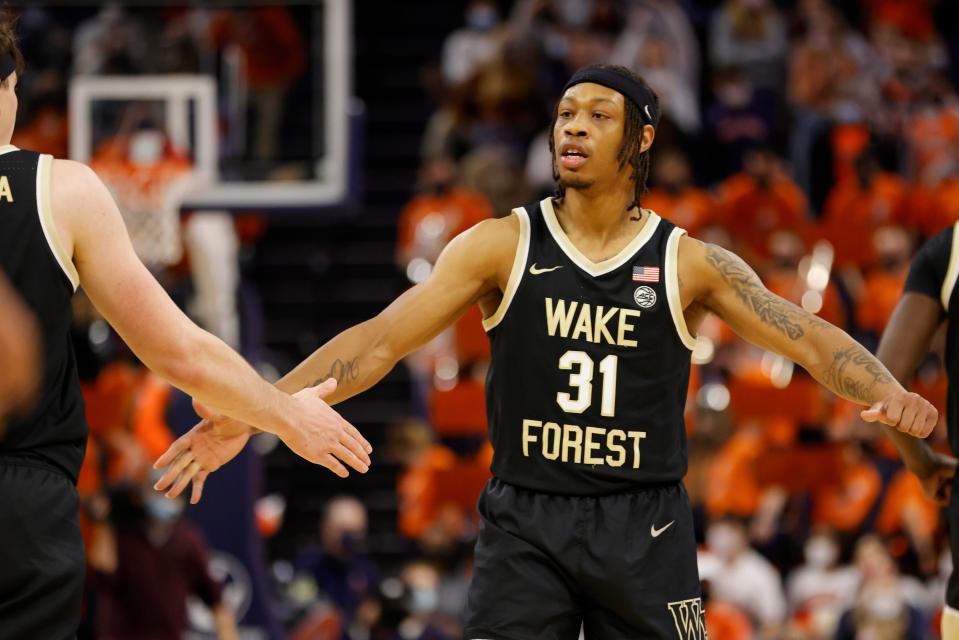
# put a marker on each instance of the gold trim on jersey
(516, 273)
(952, 272)
(7, 148)
(672, 288)
(47, 222)
(597, 268)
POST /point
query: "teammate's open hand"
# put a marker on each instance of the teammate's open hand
(323, 437)
(907, 412)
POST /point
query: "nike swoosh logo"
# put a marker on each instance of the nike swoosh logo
(653, 531)
(533, 270)
(648, 114)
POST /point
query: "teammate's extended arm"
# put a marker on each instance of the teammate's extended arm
(904, 342)
(472, 267)
(133, 302)
(725, 285)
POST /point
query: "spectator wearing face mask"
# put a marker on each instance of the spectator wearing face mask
(341, 569)
(750, 34)
(675, 197)
(741, 576)
(859, 205)
(758, 201)
(469, 48)
(145, 564)
(820, 590)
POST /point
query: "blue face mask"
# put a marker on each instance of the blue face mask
(163, 509)
(482, 18)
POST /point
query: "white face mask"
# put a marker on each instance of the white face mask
(821, 553)
(723, 541)
(146, 147)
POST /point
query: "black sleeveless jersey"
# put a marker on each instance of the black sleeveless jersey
(934, 272)
(590, 363)
(43, 274)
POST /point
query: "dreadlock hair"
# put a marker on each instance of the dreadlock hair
(629, 153)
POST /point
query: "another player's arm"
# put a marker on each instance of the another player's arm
(133, 302)
(904, 342)
(472, 266)
(472, 269)
(725, 285)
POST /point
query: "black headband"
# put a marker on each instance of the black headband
(640, 95)
(7, 66)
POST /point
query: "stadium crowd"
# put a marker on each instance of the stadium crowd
(817, 139)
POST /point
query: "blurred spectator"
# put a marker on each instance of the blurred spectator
(145, 564)
(442, 210)
(741, 117)
(828, 82)
(274, 56)
(667, 21)
(907, 513)
(881, 610)
(858, 206)
(820, 590)
(469, 48)
(678, 99)
(750, 34)
(340, 568)
(934, 203)
(111, 42)
(759, 200)
(745, 578)
(912, 17)
(674, 196)
(787, 276)
(892, 248)
(932, 129)
(843, 502)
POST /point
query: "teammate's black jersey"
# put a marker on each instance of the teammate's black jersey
(590, 365)
(934, 272)
(42, 273)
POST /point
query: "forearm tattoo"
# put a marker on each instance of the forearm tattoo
(772, 310)
(341, 371)
(854, 373)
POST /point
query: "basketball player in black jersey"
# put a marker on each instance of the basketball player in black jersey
(929, 301)
(59, 229)
(591, 303)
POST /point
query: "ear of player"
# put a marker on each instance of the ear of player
(907, 412)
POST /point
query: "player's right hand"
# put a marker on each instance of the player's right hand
(322, 436)
(936, 480)
(904, 411)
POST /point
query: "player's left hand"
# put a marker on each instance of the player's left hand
(905, 411)
(936, 480)
(199, 452)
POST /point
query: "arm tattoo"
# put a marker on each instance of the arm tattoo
(784, 316)
(854, 372)
(341, 371)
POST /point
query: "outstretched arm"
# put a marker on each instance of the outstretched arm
(728, 287)
(473, 268)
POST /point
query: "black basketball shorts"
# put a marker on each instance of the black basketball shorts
(621, 566)
(42, 563)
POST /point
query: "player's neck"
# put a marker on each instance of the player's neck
(599, 213)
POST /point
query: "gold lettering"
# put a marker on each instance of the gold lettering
(552, 434)
(570, 442)
(599, 326)
(5, 192)
(527, 436)
(625, 327)
(636, 436)
(617, 448)
(593, 445)
(584, 325)
(559, 317)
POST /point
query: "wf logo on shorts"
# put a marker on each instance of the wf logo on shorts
(689, 618)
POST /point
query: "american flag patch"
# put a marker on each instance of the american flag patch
(645, 274)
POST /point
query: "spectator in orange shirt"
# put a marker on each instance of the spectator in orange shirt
(912, 17)
(440, 212)
(906, 511)
(934, 205)
(675, 197)
(758, 201)
(842, 503)
(857, 207)
(784, 278)
(892, 248)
